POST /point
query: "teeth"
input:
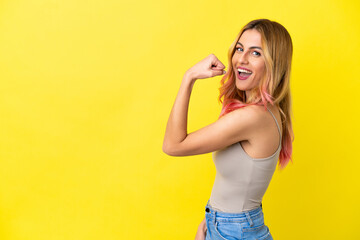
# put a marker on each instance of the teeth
(244, 71)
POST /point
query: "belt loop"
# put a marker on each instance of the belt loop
(214, 216)
(211, 210)
(249, 218)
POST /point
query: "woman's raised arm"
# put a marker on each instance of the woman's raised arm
(233, 127)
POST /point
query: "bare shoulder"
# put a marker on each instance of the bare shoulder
(256, 119)
(253, 113)
(264, 138)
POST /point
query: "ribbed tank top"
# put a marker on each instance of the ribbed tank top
(241, 181)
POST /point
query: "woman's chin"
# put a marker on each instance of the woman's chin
(241, 86)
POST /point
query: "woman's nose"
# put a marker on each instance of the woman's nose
(243, 58)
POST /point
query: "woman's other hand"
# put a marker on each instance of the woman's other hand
(206, 68)
(201, 232)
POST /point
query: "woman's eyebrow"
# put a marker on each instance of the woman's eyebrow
(249, 47)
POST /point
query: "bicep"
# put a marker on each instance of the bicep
(231, 128)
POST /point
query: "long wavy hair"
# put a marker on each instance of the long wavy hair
(274, 87)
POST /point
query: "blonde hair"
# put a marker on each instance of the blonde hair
(274, 87)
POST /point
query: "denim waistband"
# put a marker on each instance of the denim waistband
(245, 216)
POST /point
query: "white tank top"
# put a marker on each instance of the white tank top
(241, 181)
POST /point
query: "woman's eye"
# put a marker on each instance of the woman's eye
(240, 49)
(256, 53)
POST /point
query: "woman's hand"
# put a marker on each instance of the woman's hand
(201, 232)
(206, 68)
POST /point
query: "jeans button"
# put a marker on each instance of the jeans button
(207, 210)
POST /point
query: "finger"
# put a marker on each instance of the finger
(217, 64)
(217, 68)
(217, 72)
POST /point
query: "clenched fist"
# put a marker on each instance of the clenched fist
(206, 68)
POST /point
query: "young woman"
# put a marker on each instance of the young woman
(253, 131)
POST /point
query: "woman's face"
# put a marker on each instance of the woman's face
(248, 61)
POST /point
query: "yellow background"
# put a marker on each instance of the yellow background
(86, 90)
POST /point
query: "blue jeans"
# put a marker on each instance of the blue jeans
(236, 226)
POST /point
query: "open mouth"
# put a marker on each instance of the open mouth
(243, 74)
